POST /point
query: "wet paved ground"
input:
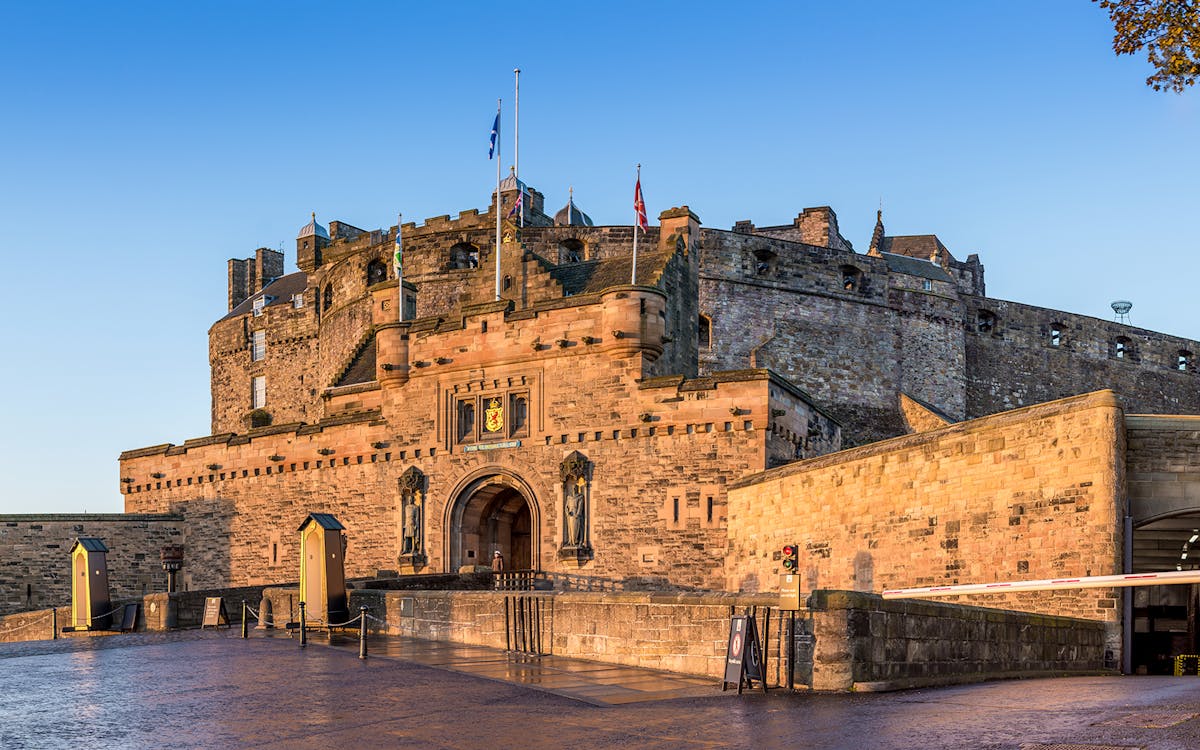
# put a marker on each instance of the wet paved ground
(213, 690)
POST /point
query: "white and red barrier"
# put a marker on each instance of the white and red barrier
(1051, 584)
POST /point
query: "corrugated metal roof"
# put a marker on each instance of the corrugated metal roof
(324, 520)
(89, 543)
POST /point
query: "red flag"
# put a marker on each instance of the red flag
(639, 205)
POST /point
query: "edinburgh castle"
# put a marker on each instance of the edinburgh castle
(667, 423)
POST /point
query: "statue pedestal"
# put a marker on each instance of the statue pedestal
(412, 563)
(578, 554)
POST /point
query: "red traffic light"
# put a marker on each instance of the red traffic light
(790, 556)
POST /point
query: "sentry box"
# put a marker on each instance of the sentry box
(322, 569)
(90, 603)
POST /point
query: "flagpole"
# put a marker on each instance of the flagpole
(517, 142)
(399, 261)
(636, 225)
(499, 102)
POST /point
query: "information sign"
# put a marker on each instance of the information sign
(743, 655)
(214, 613)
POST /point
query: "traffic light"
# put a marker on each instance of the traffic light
(790, 555)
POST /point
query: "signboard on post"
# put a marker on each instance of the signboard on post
(743, 655)
(214, 613)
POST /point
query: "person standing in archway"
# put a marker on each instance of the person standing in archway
(497, 562)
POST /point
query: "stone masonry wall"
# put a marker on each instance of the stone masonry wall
(1029, 494)
(864, 642)
(1163, 465)
(246, 494)
(1016, 364)
(35, 560)
(793, 316)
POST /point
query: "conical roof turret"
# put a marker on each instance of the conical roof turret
(312, 228)
(570, 215)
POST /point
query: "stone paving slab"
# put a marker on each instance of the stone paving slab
(212, 690)
(596, 683)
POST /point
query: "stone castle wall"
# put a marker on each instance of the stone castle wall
(1016, 364)
(35, 559)
(1030, 494)
(793, 316)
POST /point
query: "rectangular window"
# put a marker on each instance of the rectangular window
(258, 395)
(298, 300)
(927, 285)
(259, 304)
(518, 413)
(258, 345)
(465, 418)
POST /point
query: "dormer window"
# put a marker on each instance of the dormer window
(851, 278)
(259, 304)
(985, 322)
(298, 300)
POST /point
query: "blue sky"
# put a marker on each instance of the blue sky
(144, 144)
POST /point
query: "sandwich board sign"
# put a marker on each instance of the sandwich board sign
(743, 655)
(214, 613)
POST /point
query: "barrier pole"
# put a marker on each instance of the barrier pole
(303, 634)
(244, 634)
(54, 623)
(791, 660)
(362, 632)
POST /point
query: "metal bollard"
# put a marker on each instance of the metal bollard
(303, 635)
(362, 632)
(244, 633)
(54, 623)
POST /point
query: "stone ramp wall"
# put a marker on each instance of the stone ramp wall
(864, 642)
(1025, 495)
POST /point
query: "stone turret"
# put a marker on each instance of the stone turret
(312, 239)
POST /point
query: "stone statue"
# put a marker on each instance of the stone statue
(412, 525)
(576, 514)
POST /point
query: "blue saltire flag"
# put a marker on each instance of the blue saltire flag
(495, 135)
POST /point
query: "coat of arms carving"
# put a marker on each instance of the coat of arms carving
(493, 416)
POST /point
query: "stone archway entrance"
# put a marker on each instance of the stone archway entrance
(496, 511)
(1166, 619)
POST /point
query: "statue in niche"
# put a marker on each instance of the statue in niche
(574, 473)
(412, 512)
(412, 524)
(576, 512)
